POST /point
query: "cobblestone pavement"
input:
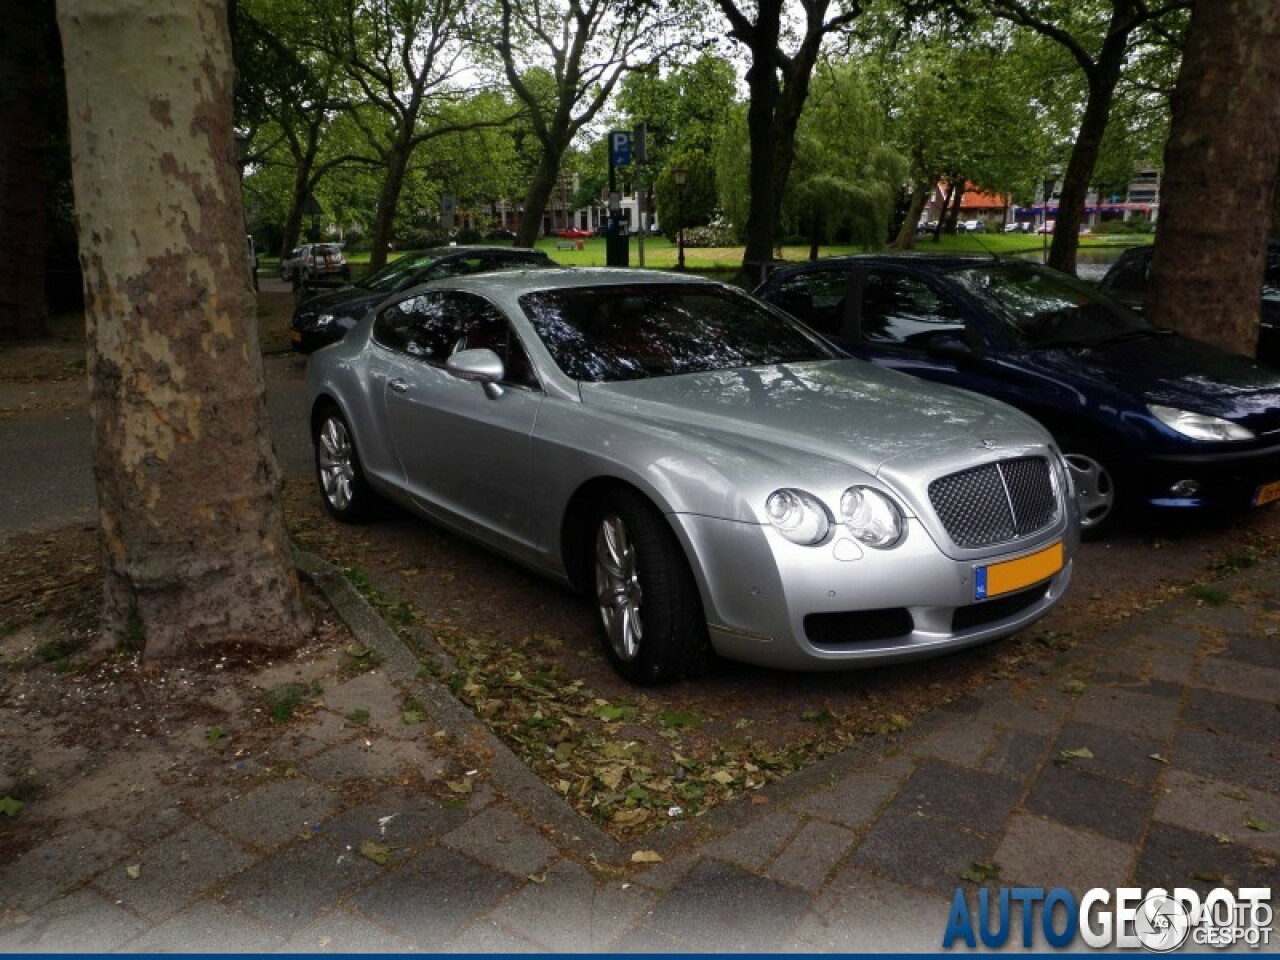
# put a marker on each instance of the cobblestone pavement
(1160, 767)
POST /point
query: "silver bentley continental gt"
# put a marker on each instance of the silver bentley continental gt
(708, 470)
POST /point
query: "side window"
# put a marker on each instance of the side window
(1271, 279)
(423, 327)
(816, 297)
(485, 327)
(433, 326)
(902, 310)
(1131, 276)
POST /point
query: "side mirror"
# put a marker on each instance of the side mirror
(482, 366)
(948, 346)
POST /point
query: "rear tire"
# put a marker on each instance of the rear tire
(343, 488)
(652, 626)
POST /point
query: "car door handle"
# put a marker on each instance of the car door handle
(398, 385)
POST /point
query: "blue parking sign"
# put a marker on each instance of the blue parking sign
(620, 148)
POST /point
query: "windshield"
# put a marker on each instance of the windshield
(1045, 308)
(396, 274)
(603, 334)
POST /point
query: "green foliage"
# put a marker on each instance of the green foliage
(846, 178)
(692, 205)
(682, 108)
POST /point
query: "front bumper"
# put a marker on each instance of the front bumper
(307, 337)
(774, 603)
(1226, 481)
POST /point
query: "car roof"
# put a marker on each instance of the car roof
(463, 249)
(940, 261)
(517, 283)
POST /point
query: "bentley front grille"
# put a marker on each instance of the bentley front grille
(997, 502)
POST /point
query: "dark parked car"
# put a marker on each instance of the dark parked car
(1146, 418)
(1127, 282)
(326, 319)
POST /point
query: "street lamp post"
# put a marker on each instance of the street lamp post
(680, 173)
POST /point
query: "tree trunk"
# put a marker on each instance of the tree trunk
(388, 200)
(1079, 175)
(815, 231)
(906, 239)
(24, 144)
(1224, 144)
(539, 192)
(303, 185)
(1103, 79)
(194, 542)
(761, 228)
(951, 221)
(943, 211)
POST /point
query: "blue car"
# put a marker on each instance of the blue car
(1147, 419)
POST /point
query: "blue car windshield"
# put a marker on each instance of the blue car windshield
(604, 334)
(1044, 308)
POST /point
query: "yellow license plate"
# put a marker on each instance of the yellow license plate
(1266, 493)
(296, 335)
(994, 579)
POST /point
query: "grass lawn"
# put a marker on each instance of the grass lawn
(723, 262)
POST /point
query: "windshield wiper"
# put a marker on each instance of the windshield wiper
(1061, 344)
(1124, 336)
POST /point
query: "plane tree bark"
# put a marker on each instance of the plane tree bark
(1220, 175)
(194, 543)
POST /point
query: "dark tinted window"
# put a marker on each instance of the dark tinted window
(1271, 279)
(1130, 274)
(815, 296)
(897, 308)
(602, 334)
(1046, 308)
(423, 327)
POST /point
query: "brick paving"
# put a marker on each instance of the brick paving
(1162, 770)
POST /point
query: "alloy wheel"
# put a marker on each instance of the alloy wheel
(336, 463)
(618, 592)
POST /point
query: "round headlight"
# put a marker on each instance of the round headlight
(798, 516)
(871, 517)
(1199, 426)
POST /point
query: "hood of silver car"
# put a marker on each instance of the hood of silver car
(843, 410)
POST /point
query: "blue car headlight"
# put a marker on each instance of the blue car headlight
(1199, 426)
(871, 517)
(798, 516)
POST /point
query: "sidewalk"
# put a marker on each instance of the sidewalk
(1157, 765)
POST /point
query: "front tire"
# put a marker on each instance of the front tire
(652, 626)
(1096, 494)
(343, 488)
